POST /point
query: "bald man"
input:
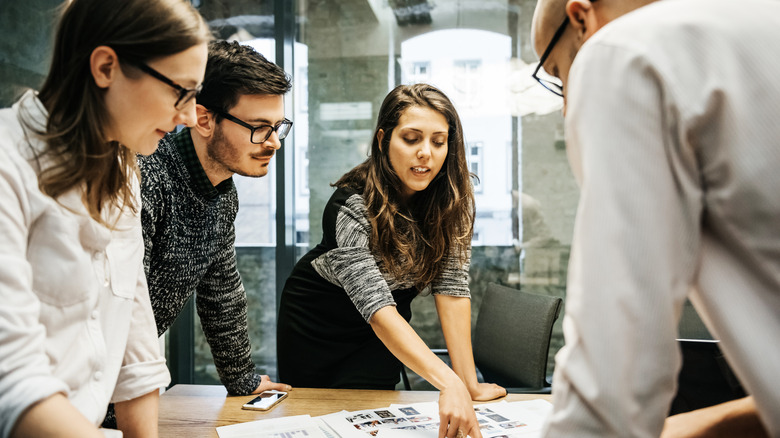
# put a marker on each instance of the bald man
(672, 128)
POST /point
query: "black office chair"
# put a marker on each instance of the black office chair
(512, 339)
(691, 326)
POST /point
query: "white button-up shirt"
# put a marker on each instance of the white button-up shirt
(673, 131)
(75, 315)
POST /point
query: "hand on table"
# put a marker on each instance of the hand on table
(456, 414)
(266, 385)
(487, 391)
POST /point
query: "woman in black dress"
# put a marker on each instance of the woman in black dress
(399, 225)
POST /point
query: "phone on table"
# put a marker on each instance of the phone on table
(265, 401)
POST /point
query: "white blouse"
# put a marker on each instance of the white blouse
(75, 315)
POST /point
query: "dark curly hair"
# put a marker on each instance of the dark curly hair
(414, 238)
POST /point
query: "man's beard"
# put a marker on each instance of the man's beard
(221, 152)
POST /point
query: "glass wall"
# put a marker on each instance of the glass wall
(344, 56)
(25, 45)
(479, 53)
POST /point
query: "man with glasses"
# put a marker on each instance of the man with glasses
(190, 203)
(672, 132)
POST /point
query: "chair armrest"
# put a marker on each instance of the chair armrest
(440, 351)
(545, 390)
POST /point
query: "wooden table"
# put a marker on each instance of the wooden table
(193, 411)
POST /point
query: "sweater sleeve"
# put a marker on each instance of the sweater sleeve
(454, 277)
(222, 306)
(351, 264)
(152, 202)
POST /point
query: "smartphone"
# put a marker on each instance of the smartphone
(265, 401)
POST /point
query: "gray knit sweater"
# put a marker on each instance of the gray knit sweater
(189, 236)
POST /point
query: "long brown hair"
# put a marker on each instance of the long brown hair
(415, 238)
(77, 147)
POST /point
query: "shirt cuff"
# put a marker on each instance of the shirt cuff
(140, 379)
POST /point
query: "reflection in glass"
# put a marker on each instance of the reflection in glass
(479, 54)
(347, 56)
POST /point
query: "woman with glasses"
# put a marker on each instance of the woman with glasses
(76, 327)
(399, 225)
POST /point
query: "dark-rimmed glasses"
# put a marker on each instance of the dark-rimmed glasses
(552, 84)
(260, 134)
(185, 94)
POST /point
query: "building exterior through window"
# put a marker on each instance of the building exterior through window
(344, 56)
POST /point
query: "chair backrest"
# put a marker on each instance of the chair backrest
(512, 336)
(691, 326)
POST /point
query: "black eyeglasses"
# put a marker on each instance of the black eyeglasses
(260, 134)
(552, 84)
(185, 94)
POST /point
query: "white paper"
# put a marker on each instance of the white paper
(522, 419)
(421, 420)
(298, 426)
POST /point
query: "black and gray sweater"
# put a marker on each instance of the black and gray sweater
(189, 233)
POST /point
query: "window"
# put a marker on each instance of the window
(470, 51)
(345, 58)
(476, 238)
(421, 68)
(301, 90)
(475, 163)
(420, 72)
(302, 170)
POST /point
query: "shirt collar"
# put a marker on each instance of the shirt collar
(182, 140)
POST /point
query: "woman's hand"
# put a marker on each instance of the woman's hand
(487, 391)
(456, 413)
(456, 410)
(455, 317)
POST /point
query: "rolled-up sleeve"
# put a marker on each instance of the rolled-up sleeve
(143, 368)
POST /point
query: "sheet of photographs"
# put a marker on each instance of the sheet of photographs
(421, 420)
